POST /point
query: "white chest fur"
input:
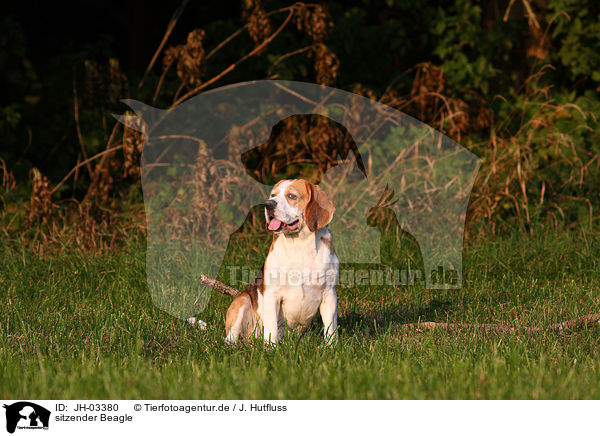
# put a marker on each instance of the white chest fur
(301, 273)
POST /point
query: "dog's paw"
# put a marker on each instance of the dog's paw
(230, 339)
(332, 339)
(270, 344)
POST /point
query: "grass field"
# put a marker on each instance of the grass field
(83, 326)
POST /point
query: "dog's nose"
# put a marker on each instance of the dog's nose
(270, 204)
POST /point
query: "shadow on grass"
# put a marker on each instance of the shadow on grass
(372, 321)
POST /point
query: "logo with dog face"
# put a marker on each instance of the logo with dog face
(209, 164)
(26, 415)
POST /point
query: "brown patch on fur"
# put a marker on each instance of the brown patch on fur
(319, 211)
(247, 299)
(302, 189)
(328, 243)
(234, 308)
(254, 288)
(275, 190)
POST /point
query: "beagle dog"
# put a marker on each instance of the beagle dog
(300, 273)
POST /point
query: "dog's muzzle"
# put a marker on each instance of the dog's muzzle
(276, 225)
(270, 205)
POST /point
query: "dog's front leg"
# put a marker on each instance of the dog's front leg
(328, 309)
(271, 308)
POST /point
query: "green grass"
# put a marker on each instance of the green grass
(83, 326)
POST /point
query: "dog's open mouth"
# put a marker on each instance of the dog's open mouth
(275, 225)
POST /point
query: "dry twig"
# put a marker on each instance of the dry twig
(170, 28)
(218, 286)
(559, 327)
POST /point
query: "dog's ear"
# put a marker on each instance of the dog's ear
(319, 210)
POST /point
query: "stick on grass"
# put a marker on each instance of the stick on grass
(218, 286)
(569, 325)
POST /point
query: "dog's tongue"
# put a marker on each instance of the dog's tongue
(274, 224)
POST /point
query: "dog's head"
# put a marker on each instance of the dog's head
(296, 204)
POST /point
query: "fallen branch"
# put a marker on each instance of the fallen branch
(577, 323)
(218, 286)
(570, 325)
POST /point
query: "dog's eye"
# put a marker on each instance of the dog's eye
(292, 196)
(272, 195)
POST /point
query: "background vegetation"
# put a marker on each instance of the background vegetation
(514, 81)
